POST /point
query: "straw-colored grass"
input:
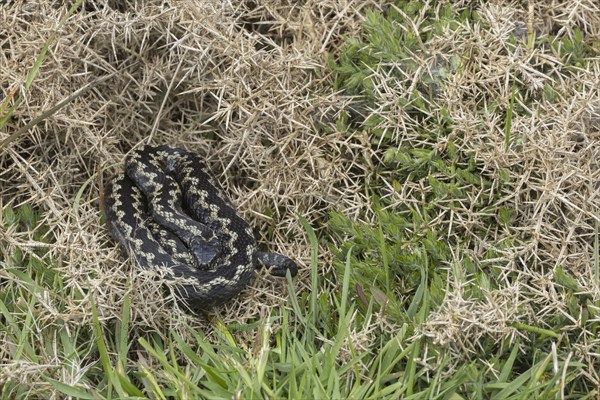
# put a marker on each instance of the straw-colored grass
(209, 76)
(298, 122)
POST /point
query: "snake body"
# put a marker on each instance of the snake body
(167, 214)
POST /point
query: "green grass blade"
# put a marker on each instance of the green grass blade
(346, 281)
(314, 273)
(73, 391)
(103, 351)
(508, 121)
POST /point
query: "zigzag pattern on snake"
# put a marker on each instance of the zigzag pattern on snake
(168, 216)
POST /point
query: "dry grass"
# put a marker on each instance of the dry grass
(553, 160)
(234, 81)
(244, 84)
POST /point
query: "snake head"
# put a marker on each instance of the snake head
(204, 252)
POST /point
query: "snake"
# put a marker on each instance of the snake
(168, 215)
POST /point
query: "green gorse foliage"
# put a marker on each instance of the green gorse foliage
(402, 258)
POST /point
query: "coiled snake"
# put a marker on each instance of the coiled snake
(168, 216)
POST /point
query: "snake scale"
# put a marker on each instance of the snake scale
(167, 214)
